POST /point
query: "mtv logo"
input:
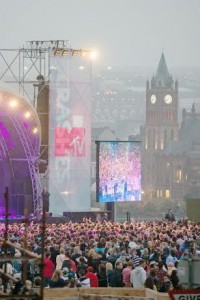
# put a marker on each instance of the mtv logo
(70, 142)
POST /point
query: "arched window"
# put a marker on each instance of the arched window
(167, 193)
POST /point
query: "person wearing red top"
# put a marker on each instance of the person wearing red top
(94, 282)
(48, 269)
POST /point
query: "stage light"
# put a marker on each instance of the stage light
(58, 52)
(65, 52)
(84, 52)
(74, 52)
(27, 114)
(35, 130)
(13, 103)
(93, 54)
(65, 193)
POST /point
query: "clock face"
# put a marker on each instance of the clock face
(168, 99)
(153, 99)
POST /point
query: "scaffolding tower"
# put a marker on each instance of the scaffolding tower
(23, 67)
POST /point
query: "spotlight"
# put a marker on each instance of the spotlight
(84, 52)
(93, 54)
(27, 114)
(65, 52)
(81, 68)
(35, 130)
(58, 52)
(65, 193)
(74, 52)
(13, 103)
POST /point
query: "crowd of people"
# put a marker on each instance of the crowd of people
(120, 172)
(99, 254)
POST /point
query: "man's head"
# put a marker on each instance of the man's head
(119, 265)
(142, 263)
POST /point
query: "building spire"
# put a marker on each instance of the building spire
(162, 77)
(162, 70)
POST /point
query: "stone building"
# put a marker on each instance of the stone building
(171, 153)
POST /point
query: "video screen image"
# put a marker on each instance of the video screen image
(118, 171)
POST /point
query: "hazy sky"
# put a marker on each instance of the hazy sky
(125, 32)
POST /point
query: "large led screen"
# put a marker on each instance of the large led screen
(118, 171)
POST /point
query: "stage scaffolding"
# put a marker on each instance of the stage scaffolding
(24, 68)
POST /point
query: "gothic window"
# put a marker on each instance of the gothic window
(178, 174)
(167, 193)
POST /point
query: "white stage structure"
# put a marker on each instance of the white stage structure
(70, 131)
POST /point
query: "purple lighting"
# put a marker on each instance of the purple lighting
(6, 134)
(19, 146)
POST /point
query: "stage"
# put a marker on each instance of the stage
(67, 217)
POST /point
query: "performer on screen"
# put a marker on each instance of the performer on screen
(45, 199)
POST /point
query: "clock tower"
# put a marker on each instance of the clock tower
(161, 126)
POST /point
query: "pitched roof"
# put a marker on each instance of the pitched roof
(162, 70)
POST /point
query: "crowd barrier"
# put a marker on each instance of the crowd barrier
(103, 294)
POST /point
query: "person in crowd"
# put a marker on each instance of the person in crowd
(170, 216)
(27, 289)
(126, 273)
(139, 275)
(60, 259)
(115, 278)
(68, 262)
(174, 279)
(122, 258)
(161, 273)
(37, 282)
(135, 257)
(48, 269)
(45, 199)
(150, 284)
(69, 277)
(77, 252)
(56, 280)
(167, 286)
(94, 282)
(54, 250)
(101, 274)
(81, 264)
(171, 258)
(112, 258)
(83, 281)
(170, 268)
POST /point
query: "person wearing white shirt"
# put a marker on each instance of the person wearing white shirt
(60, 259)
(139, 275)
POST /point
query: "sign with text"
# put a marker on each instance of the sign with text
(70, 134)
(70, 142)
(185, 294)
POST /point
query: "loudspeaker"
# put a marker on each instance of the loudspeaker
(110, 207)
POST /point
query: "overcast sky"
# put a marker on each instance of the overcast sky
(125, 32)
